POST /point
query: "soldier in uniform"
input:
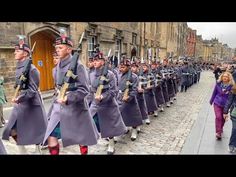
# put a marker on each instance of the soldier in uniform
(170, 84)
(105, 104)
(69, 118)
(185, 76)
(164, 74)
(90, 69)
(27, 123)
(129, 105)
(148, 92)
(158, 89)
(90, 97)
(140, 95)
(113, 63)
(55, 59)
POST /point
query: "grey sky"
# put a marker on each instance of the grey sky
(224, 31)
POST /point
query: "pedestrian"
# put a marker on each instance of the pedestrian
(3, 100)
(231, 105)
(27, 122)
(219, 98)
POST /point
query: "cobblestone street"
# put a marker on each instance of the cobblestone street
(165, 135)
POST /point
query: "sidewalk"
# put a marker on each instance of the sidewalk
(201, 139)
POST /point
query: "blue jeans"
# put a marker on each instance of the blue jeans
(232, 141)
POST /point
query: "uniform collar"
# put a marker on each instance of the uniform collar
(98, 71)
(21, 64)
(65, 61)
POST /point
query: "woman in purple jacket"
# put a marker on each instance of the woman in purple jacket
(219, 98)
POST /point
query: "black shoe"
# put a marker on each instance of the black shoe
(218, 136)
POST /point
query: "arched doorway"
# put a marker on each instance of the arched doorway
(133, 52)
(42, 57)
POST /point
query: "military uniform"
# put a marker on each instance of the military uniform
(149, 92)
(129, 109)
(72, 121)
(28, 117)
(164, 86)
(185, 77)
(140, 96)
(109, 117)
(158, 88)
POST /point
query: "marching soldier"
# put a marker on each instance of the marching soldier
(140, 95)
(185, 77)
(90, 97)
(27, 122)
(104, 89)
(113, 63)
(127, 98)
(164, 75)
(70, 119)
(148, 92)
(173, 75)
(90, 69)
(158, 89)
(170, 84)
(55, 59)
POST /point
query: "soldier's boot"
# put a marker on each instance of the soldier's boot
(37, 149)
(83, 150)
(111, 147)
(156, 113)
(162, 108)
(171, 100)
(134, 134)
(168, 104)
(138, 129)
(147, 121)
(22, 149)
(54, 150)
(175, 98)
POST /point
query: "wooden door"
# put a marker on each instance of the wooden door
(43, 59)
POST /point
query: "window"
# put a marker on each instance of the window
(134, 38)
(118, 48)
(92, 41)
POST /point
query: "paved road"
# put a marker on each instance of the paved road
(172, 132)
